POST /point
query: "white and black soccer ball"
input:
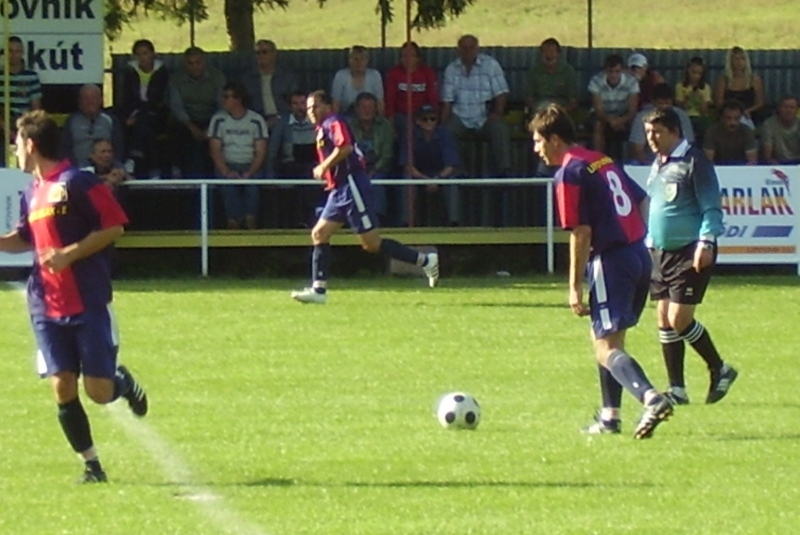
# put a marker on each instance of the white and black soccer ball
(458, 410)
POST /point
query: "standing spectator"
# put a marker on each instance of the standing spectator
(195, 95)
(685, 219)
(89, 124)
(238, 142)
(474, 94)
(341, 167)
(69, 220)
(780, 134)
(424, 89)
(693, 94)
(552, 80)
(374, 137)
(648, 78)
(615, 96)
(434, 155)
(729, 141)
(357, 78)
(739, 82)
(640, 149)
(25, 90)
(144, 109)
(603, 209)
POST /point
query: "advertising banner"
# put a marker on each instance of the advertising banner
(12, 183)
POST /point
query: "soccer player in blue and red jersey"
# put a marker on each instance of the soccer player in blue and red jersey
(349, 201)
(605, 212)
(69, 218)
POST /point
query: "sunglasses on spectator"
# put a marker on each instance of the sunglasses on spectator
(429, 119)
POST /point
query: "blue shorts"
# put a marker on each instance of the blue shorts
(619, 280)
(84, 344)
(352, 203)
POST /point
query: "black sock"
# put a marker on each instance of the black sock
(628, 373)
(94, 465)
(398, 251)
(610, 389)
(320, 265)
(75, 424)
(700, 340)
(674, 350)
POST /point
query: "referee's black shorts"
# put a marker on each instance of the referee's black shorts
(675, 278)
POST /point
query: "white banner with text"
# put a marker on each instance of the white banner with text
(12, 184)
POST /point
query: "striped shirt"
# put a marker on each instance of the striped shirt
(469, 92)
(615, 99)
(238, 136)
(24, 89)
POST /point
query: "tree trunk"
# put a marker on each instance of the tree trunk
(239, 23)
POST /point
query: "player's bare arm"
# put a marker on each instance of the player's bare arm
(579, 248)
(12, 243)
(58, 259)
(337, 155)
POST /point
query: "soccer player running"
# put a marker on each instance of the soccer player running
(69, 218)
(605, 211)
(685, 220)
(350, 201)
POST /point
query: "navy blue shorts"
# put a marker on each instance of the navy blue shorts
(619, 280)
(352, 203)
(84, 344)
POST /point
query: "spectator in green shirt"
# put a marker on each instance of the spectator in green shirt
(552, 79)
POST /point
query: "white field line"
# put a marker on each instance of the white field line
(209, 504)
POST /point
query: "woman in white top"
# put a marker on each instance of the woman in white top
(356, 79)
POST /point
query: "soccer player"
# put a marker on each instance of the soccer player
(349, 201)
(685, 220)
(604, 210)
(69, 218)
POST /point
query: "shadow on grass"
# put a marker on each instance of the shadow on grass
(753, 438)
(518, 304)
(277, 482)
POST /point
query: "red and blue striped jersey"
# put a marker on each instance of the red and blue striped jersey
(59, 210)
(335, 132)
(592, 190)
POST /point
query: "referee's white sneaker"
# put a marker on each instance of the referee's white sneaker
(309, 295)
(431, 269)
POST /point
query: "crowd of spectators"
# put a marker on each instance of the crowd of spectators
(193, 123)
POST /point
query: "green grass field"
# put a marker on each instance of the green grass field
(269, 417)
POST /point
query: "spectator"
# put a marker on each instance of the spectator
(238, 142)
(270, 86)
(472, 84)
(693, 94)
(350, 82)
(739, 82)
(648, 78)
(144, 109)
(25, 90)
(90, 123)
(552, 79)
(729, 141)
(195, 95)
(434, 155)
(780, 134)
(374, 137)
(101, 161)
(614, 101)
(424, 88)
(641, 151)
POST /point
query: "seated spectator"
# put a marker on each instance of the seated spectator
(195, 95)
(693, 94)
(729, 141)
(434, 154)
(101, 161)
(648, 78)
(374, 137)
(144, 109)
(641, 152)
(551, 80)
(25, 90)
(474, 94)
(614, 102)
(269, 85)
(84, 127)
(424, 88)
(238, 142)
(739, 82)
(350, 82)
(780, 134)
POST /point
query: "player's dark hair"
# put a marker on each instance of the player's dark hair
(40, 128)
(695, 61)
(553, 120)
(322, 96)
(662, 91)
(613, 60)
(239, 92)
(147, 43)
(666, 116)
(550, 41)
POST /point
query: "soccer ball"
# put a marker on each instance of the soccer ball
(458, 410)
